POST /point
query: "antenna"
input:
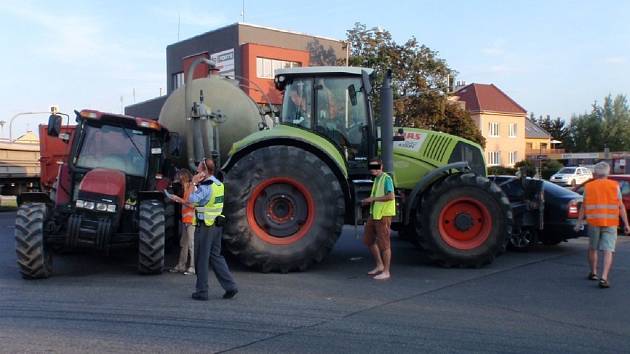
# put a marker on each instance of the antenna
(179, 21)
(243, 12)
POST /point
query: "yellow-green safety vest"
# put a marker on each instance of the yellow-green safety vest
(380, 209)
(214, 207)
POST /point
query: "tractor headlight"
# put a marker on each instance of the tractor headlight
(101, 206)
(88, 205)
(80, 203)
(111, 208)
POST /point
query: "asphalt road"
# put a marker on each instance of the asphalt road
(529, 302)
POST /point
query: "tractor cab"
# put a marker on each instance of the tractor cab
(333, 102)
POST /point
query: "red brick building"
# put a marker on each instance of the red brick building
(247, 52)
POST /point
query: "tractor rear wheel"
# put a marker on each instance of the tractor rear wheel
(33, 256)
(464, 220)
(284, 208)
(151, 237)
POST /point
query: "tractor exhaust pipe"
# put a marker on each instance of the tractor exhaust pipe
(387, 124)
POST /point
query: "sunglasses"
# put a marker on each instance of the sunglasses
(374, 166)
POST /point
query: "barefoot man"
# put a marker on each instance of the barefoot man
(382, 209)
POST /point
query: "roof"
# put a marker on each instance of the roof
(236, 24)
(533, 131)
(350, 70)
(488, 98)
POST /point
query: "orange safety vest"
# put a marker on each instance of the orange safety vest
(188, 213)
(601, 203)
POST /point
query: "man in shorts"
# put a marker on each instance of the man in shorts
(382, 209)
(602, 208)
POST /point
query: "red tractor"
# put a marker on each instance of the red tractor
(107, 193)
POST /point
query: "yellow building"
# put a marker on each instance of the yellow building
(499, 118)
(537, 140)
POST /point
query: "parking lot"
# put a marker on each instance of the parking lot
(537, 301)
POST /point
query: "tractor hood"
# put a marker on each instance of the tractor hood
(104, 182)
(423, 150)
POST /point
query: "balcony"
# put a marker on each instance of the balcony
(543, 151)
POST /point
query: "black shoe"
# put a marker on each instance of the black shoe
(603, 283)
(230, 294)
(592, 276)
(199, 296)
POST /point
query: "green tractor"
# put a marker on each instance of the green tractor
(292, 184)
(291, 188)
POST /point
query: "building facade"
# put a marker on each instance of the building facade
(537, 140)
(499, 118)
(247, 52)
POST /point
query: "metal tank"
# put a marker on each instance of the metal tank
(216, 104)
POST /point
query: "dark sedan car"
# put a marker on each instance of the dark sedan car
(551, 224)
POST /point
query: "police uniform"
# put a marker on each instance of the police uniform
(208, 199)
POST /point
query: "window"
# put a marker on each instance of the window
(529, 146)
(512, 130)
(543, 146)
(494, 158)
(493, 129)
(624, 186)
(115, 148)
(178, 80)
(266, 68)
(513, 156)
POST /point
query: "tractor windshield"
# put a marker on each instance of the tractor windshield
(113, 147)
(326, 106)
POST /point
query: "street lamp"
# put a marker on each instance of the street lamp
(17, 115)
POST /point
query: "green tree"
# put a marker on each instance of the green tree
(420, 80)
(607, 125)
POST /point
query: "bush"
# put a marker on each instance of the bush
(549, 167)
(500, 170)
(528, 166)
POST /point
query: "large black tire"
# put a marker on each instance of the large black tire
(284, 208)
(464, 220)
(34, 259)
(151, 237)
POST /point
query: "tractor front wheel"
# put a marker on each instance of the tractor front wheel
(464, 220)
(33, 256)
(151, 237)
(284, 208)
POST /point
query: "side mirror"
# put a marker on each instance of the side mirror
(175, 144)
(365, 80)
(352, 92)
(54, 125)
(400, 135)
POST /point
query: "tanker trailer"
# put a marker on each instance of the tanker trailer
(214, 101)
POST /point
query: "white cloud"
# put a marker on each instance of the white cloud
(616, 60)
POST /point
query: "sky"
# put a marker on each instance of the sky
(551, 57)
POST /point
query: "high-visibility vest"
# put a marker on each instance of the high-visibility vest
(380, 209)
(214, 207)
(601, 203)
(188, 212)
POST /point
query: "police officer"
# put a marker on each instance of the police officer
(208, 201)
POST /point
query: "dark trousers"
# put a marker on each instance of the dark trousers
(208, 244)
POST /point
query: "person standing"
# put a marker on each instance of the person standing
(187, 241)
(602, 208)
(377, 228)
(208, 201)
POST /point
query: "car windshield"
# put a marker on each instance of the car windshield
(113, 148)
(567, 170)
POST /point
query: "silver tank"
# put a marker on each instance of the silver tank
(222, 96)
